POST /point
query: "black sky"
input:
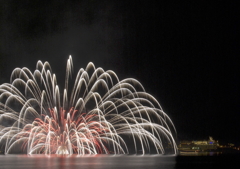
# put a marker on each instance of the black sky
(184, 53)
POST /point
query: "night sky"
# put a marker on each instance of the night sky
(184, 54)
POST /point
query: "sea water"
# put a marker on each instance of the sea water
(116, 162)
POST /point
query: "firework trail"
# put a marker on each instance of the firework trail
(99, 115)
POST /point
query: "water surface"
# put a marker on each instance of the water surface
(90, 162)
(198, 161)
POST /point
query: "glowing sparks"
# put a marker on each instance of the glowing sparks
(101, 114)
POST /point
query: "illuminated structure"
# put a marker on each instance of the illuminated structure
(100, 114)
(199, 145)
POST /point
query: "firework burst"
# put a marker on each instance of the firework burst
(100, 115)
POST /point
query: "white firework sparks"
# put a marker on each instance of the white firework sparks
(100, 115)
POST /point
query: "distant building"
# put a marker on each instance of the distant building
(198, 145)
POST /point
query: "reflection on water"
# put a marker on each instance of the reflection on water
(201, 153)
(90, 162)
